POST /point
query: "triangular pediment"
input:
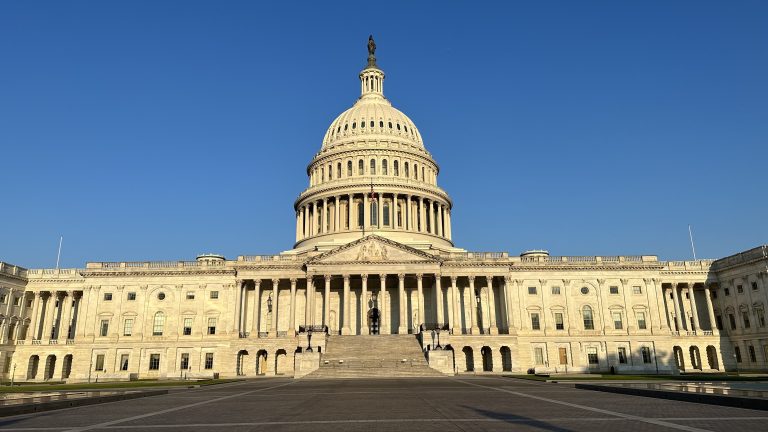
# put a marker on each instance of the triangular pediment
(373, 249)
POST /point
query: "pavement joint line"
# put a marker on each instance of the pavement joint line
(588, 408)
(178, 408)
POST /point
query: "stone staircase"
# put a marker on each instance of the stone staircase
(373, 356)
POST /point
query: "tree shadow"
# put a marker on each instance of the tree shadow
(518, 419)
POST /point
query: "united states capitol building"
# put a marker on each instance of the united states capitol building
(375, 286)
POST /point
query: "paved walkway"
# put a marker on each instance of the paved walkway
(429, 404)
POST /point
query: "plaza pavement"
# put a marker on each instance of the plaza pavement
(429, 404)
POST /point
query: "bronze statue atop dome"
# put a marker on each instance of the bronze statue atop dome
(371, 52)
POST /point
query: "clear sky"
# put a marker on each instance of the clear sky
(160, 130)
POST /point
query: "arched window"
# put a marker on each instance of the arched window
(362, 124)
(330, 172)
(322, 174)
(338, 170)
(416, 171)
(390, 125)
(360, 167)
(399, 215)
(354, 124)
(381, 124)
(373, 166)
(422, 173)
(360, 215)
(349, 168)
(396, 168)
(371, 123)
(406, 170)
(374, 213)
(384, 168)
(589, 322)
(385, 216)
(157, 326)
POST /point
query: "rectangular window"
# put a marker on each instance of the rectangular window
(614, 290)
(765, 351)
(535, 321)
(209, 360)
(745, 317)
(532, 290)
(617, 324)
(727, 291)
(719, 322)
(713, 294)
(187, 326)
(99, 362)
(190, 295)
(131, 296)
(559, 325)
(128, 327)
(107, 296)
(154, 362)
(124, 362)
(592, 356)
(539, 356)
(17, 301)
(752, 356)
(737, 351)
(732, 320)
(754, 286)
(555, 290)
(622, 355)
(563, 354)
(29, 303)
(646, 354)
(641, 321)
(637, 290)
(211, 326)
(3, 298)
(104, 328)
(214, 295)
(184, 361)
(760, 318)
(739, 289)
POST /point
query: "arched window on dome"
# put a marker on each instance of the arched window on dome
(354, 124)
(330, 172)
(406, 170)
(338, 170)
(362, 124)
(360, 214)
(349, 168)
(406, 128)
(373, 166)
(322, 174)
(374, 213)
(385, 215)
(396, 169)
(381, 124)
(415, 171)
(360, 167)
(390, 125)
(398, 126)
(345, 126)
(589, 322)
(422, 174)
(371, 123)
(384, 167)
(158, 324)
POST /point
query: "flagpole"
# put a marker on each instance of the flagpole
(58, 255)
(690, 235)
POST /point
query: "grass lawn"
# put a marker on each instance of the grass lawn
(619, 377)
(106, 385)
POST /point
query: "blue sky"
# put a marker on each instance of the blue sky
(160, 130)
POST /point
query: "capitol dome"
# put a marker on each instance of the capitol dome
(373, 175)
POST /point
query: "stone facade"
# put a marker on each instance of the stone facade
(374, 254)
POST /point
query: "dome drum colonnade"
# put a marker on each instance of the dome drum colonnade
(373, 174)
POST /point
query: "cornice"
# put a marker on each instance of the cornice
(110, 274)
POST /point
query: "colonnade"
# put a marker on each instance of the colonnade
(53, 316)
(675, 292)
(389, 210)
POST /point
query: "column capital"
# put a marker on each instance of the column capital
(648, 280)
(624, 282)
(364, 276)
(383, 276)
(293, 281)
(401, 276)
(346, 278)
(275, 281)
(566, 283)
(257, 282)
(471, 279)
(419, 275)
(327, 278)
(507, 279)
(454, 278)
(601, 282)
(542, 282)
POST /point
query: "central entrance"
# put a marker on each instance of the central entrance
(373, 321)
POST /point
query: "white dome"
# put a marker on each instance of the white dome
(372, 117)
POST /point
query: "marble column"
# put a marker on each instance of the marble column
(256, 308)
(292, 318)
(422, 216)
(456, 302)
(34, 323)
(49, 315)
(475, 329)
(384, 305)
(431, 210)
(448, 223)
(508, 304)
(710, 311)
(380, 210)
(440, 230)
(345, 329)
(407, 213)
(275, 307)
(327, 302)
(402, 322)
(420, 295)
(366, 213)
(451, 308)
(62, 330)
(678, 319)
(694, 309)
(337, 214)
(308, 322)
(324, 218)
(439, 300)
(364, 328)
(494, 329)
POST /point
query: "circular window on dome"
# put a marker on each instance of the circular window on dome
(584, 290)
(161, 296)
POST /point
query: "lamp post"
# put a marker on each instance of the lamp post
(479, 305)
(269, 311)
(437, 331)
(309, 340)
